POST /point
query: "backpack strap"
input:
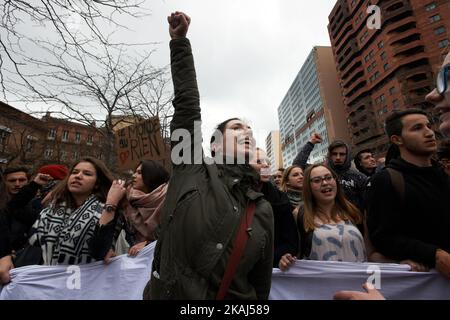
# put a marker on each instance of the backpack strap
(398, 182)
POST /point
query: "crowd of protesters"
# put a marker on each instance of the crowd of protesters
(221, 228)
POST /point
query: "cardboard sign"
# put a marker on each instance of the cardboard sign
(139, 142)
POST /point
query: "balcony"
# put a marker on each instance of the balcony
(349, 68)
(347, 49)
(354, 76)
(392, 13)
(407, 73)
(354, 49)
(402, 49)
(398, 24)
(411, 85)
(398, 36)
(347, 31)
(357, 67)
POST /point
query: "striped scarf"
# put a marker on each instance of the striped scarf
(64, 234)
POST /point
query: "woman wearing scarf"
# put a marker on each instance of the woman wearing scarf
(141, 211)
(64, 229)
(292, 185)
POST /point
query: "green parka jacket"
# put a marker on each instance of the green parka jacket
(203, 210)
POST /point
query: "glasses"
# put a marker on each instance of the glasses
(442, 80)
(321, 179)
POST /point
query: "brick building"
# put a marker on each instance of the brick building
(26, 140)
(68, 141)
(22, 137)
(390, 68)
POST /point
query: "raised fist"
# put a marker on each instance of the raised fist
(178, 24)
(315, 138)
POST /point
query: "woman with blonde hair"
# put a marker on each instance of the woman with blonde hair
(292, 184)
(327, 221)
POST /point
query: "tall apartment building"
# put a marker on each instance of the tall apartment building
(390, 68)
(273, 150)
(313, 103)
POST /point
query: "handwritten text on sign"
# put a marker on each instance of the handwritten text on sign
(138, 142)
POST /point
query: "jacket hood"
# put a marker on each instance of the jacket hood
(348, 160)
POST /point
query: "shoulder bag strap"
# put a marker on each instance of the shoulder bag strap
(238, 249)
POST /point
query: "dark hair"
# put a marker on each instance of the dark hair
(342, 208)
(393, 124)
(153, 174)
(103, 183)
(10, 170)
(3, 193)
(443, 151)
(281, 169)
(337, 144)
(220, 129)
(357, 158)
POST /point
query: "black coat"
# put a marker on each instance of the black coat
(417, 225)
(16, 220)
(286, 238)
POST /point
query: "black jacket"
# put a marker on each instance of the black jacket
(415, 227)
(16, 220)
(286, 238)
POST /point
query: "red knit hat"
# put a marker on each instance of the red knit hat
(57, 171)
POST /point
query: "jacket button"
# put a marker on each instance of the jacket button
(236, 180)
(219, 246)
(235, 209)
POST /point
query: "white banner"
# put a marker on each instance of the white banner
(125, 278)
(319, 280)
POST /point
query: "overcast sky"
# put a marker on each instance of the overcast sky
(247, 52)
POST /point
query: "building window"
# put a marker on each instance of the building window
(370, 55)
(443, 43)
(392, 91)
(31, 142)
(89, 140)
(381, 44)
(396, 104)
(435, 18)
(386, 66)
(76, 155)
(364, 36)
(430, 6)
(63, 155)
(51, 134)
(77, 137)
(439, 31)
(4, 137)
(383, 55)
(65, 135)
(382, 98)
(48, 154)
